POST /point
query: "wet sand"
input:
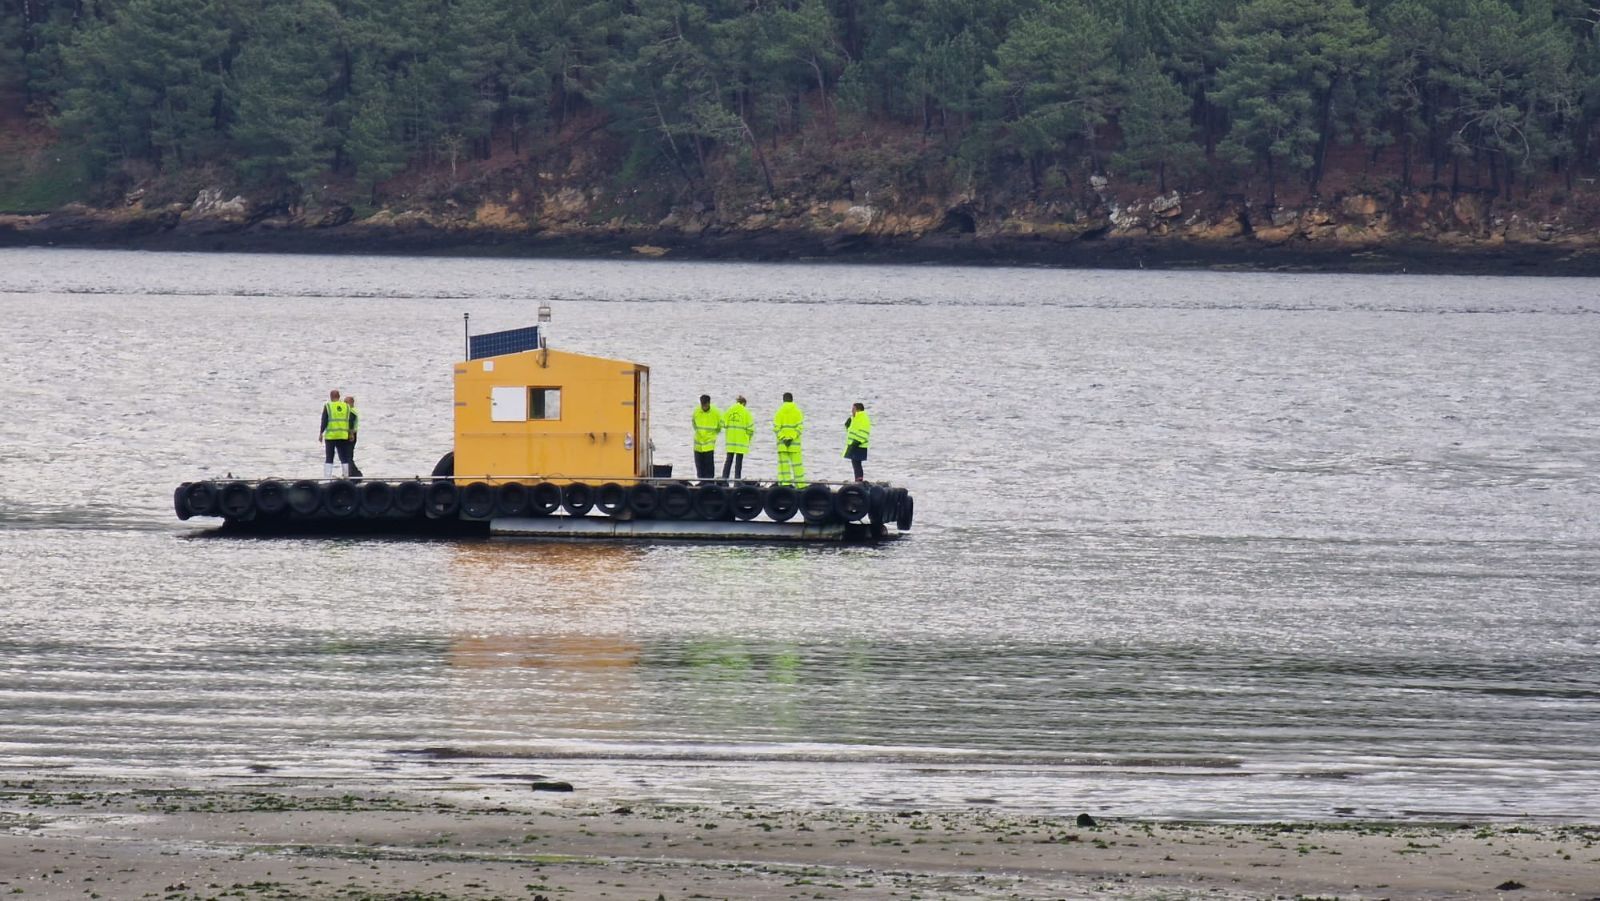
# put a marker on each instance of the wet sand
(275, 838)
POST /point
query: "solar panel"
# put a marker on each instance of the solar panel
(496, 344)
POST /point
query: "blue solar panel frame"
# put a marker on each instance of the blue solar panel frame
(511, 341)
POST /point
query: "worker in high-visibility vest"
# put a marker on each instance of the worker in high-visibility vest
(335, 436)
(857, 434)
(352, 470)
(788, 424)
(707, 426)
(738, 427)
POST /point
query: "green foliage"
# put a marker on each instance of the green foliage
(1284, 60)
(280, 83)
(42, 183)
(732, 97)
(1156, 132)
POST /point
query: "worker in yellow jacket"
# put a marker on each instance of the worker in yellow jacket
(788, 424)
(707, 426)
(334, 433)
(738, 428)
(857, 434)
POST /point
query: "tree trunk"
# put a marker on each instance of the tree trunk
(1272, 184)
(755, 147)
(1405, 162)
(1326, 116)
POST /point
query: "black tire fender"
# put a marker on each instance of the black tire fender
(817, 504)
(643, 499)
(511, 499)
(544, 499)
(236, 500)
(782, 503)
(305, 497)
(851, 502)
(711, 502)
(676, 500)
(272, 498)
(746, 502)
(443, 500)
(477, 500)
(341, 498)
(201, 499)
(611, 498)
(377, 498)
(410, 497)
(446, 465)
(577, 498)
(878, 505)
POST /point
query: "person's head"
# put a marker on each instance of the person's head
(858, 406)
(705, 401)
(334, 394)
(788, 397)
(739, 400)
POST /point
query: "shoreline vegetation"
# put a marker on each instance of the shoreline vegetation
(1392, 136)
(263, 835)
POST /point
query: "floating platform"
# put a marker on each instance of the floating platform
(642, 509)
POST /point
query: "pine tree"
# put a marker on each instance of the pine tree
(281, 81)
(1156, 132)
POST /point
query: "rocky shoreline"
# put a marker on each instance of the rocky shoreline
(1358, 233)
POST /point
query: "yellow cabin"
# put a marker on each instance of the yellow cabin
(549, 415)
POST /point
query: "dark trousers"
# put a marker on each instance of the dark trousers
(856, 455)
(705, 464)
(733, 463)
(339, 446)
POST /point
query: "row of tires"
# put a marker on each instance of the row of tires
(444, 499)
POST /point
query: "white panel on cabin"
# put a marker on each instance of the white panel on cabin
(508, 404)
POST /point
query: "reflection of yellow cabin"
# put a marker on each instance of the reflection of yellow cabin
(553, 415)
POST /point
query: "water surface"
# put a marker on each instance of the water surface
(1188, 544)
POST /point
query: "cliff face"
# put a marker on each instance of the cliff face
(1109, 224)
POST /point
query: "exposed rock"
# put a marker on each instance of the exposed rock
(496, 215)
(330, 217)
(1276, 234)
(1167, 206)
(208, 204)
(858, 219)
(1364, 205)
(1467, 212)
(649, 250)
(1228, 225)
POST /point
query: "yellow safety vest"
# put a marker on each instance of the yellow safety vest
(788, 422)
(338, 421)
(858, 431)
(707, 423)
(741, 427)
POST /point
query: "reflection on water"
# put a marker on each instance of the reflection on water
(1188, 544)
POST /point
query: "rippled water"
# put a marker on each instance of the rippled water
(1188, 544)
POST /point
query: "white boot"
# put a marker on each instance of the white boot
(327, 470)
(344, 470)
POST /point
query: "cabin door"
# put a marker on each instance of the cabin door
(642, 457)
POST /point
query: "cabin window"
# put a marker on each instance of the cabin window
(544, 403)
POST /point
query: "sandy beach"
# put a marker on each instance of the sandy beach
(274, 838)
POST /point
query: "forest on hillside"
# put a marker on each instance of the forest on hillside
(286, 95)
